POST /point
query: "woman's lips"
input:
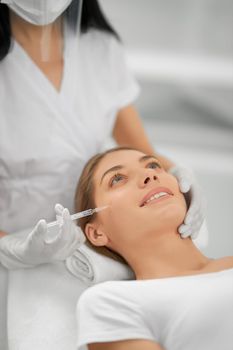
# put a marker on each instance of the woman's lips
(156, 194)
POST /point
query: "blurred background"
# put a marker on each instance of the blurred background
(181, 52)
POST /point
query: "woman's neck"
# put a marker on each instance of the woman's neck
(166, 255)
(38, 41)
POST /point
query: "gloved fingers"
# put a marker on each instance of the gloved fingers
(184, 185)
(69, 238)
(72, 229)
(185, 230)
(195, 234)
(72, 232)
(64, 229)
(190, 230)
(182, 229)
(195, 215)
(73, 246)
(67, 221)
(184, 178)
(62, 215)
(56, 242)
(38, 233)
(72, 239)
(196, 204)
(58, 209)
(192, 214)
(184, 181)
(195, 194)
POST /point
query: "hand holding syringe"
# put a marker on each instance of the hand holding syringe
(79, 215)
(42, 245)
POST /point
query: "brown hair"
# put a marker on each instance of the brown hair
(84, 196)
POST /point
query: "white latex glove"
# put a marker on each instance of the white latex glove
(195, 214)
(28, 250)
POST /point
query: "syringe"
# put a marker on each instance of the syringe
(79, 215)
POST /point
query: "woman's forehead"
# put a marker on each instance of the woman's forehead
(122, 157)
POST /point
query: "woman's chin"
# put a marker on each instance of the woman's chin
(167, 210)
(172, 216)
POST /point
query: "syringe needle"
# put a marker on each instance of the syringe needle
(79, 215)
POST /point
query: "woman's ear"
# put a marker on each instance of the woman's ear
(95, 235)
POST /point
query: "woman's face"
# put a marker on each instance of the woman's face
(143, 199)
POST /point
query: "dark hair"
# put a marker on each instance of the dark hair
(91, 17)
(5, 31)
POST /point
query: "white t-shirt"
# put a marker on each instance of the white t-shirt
(180, 313)
(47, 136)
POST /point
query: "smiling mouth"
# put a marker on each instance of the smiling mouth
(156, 197)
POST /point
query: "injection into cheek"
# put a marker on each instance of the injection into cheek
(79, 215)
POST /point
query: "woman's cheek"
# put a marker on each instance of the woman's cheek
(174, 185)
(171, 182)
(179, 193)
(117, 196)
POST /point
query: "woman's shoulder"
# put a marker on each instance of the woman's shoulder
(220, 264)
(104, 291)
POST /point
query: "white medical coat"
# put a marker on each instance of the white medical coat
(46, 136)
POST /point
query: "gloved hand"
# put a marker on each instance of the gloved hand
(28, 250)
(192, 192)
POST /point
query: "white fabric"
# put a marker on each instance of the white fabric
(92, 267)
(23, 250)
(202, 239)
(184, 176)
(195, 215)
(180, 313)
(3, 307)
(41, 308)
(46, 136)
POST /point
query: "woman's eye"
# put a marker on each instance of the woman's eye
(115, 179)
(153, 165)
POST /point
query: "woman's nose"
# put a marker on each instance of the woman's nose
(146, 179)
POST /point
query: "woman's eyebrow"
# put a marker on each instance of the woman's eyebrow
(146, 157)
(114, 168)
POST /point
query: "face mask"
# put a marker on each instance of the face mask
(38, 12)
